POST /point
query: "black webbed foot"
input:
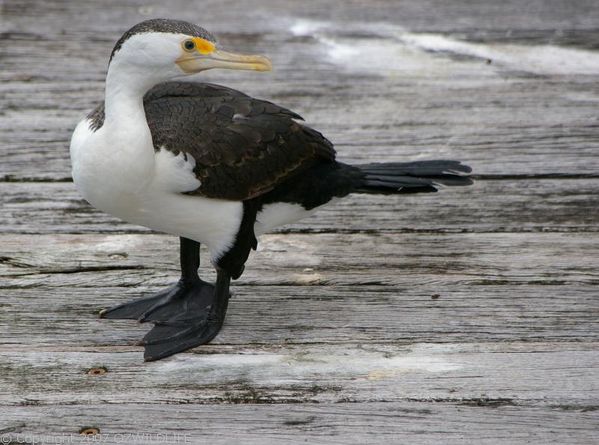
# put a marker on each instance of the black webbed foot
(195, 327)
(187, 314)
(176, 301)
(177, 335)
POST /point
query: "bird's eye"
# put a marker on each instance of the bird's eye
(189, 45)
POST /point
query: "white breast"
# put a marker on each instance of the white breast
(143, 187)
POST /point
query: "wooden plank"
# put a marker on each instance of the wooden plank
(485, 115)
(340, 423)
(316, 288)
(314, 259)
(521, 372)
(488, 206)
(575, 19)
(433, 131)
(67, 316)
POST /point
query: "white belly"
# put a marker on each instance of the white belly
(279, 214)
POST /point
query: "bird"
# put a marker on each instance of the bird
(210, 165)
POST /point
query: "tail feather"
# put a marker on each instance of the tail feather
(412, 177)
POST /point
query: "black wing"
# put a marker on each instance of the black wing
(243, 147)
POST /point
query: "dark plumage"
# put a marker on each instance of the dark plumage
(243, 147)
(247, 148)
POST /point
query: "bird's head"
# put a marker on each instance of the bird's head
(162, 49)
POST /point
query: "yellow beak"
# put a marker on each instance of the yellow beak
(196, 62)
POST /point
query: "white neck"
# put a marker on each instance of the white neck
(125, 89)
(127, 141)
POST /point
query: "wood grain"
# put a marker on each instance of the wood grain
(339, 423)
(485, 116)
(354, 373)
(466, 316)
(314, 289)
(532, 205)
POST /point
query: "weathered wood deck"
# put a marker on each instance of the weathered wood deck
(467, 316)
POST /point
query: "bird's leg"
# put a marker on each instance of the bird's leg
(189, 329)
(188, 295)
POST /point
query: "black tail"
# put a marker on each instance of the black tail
(412, 177)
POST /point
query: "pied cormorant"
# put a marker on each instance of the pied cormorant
(211, 165)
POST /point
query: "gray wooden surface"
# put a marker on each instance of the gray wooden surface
(467, 316)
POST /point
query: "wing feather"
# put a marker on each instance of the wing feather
(243, 147)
